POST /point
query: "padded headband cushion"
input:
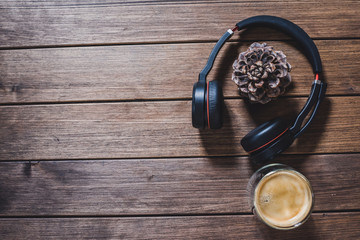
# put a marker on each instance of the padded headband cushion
(215, 105)
(291, 29)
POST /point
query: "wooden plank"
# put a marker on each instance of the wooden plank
(320, 226)
(39, 23)
(162, 186)
(154, 71)
(163, 128)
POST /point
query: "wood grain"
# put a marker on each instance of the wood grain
(96, 139)
(39, 23)
(162, 186)
(319, 226)
(163, 128)
(154, 71)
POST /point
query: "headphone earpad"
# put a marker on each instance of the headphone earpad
(198, 105)
(215, 104)
(264, 134)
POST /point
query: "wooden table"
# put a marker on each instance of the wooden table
(95, 120)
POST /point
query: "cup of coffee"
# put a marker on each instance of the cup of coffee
(280, 196)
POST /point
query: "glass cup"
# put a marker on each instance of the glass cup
(280, 196)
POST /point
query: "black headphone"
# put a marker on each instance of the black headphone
(273, 137)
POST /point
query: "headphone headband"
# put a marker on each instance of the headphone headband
(292, 30)
(213, 54)
(281, 24)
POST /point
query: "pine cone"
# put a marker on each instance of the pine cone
(261, 73)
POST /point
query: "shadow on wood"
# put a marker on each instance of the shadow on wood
(213, 139)
(308, 229)
(317, 126)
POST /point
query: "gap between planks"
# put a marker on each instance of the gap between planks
(165, 43)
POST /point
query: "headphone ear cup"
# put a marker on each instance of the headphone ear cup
(264, 135)
(215, 105)
(269, 152)
(198, 105)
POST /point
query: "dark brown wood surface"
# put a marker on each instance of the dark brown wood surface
(164, 186)
(320, 226)
(162, 129)
(96, 139)
(39, 23)
(130, 72)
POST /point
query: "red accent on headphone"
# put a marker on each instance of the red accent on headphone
(207, 105)
(269, 141)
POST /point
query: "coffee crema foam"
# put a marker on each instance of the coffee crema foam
(283, 198)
